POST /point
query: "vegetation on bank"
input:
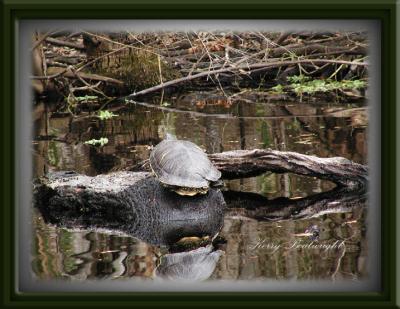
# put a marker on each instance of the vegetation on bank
(89, 69)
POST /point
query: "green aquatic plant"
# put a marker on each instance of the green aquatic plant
(97, 142)
(104, 115)
(301, 84)
(278, 89)
(73, 101)
(298, 79)
(321, 85)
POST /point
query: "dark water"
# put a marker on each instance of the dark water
(253, 247)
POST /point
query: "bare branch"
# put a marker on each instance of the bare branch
(265, 65)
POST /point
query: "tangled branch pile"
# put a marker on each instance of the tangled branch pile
(115, 64)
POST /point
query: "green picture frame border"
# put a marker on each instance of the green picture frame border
(14, 10)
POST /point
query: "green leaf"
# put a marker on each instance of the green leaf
(103, 115)
(97, 142)
(277, 89)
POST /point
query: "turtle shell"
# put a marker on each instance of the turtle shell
(182, 164)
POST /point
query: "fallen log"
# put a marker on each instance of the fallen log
(244, 163)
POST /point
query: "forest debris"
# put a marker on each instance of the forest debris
(142, 60)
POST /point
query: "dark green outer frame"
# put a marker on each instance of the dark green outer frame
(385, 11)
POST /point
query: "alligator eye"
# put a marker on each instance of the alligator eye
(295, 212)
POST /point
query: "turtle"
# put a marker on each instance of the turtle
(183, 167)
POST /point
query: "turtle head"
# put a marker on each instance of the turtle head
(217, 184)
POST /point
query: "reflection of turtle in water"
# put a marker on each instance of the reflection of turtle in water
(195, 265)
(183, 166)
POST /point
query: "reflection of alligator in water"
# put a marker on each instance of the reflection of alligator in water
(133, 203)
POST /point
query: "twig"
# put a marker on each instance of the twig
(283, 37)
(69, 74)
(64, 43)
(93, 88)
(38, 42)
